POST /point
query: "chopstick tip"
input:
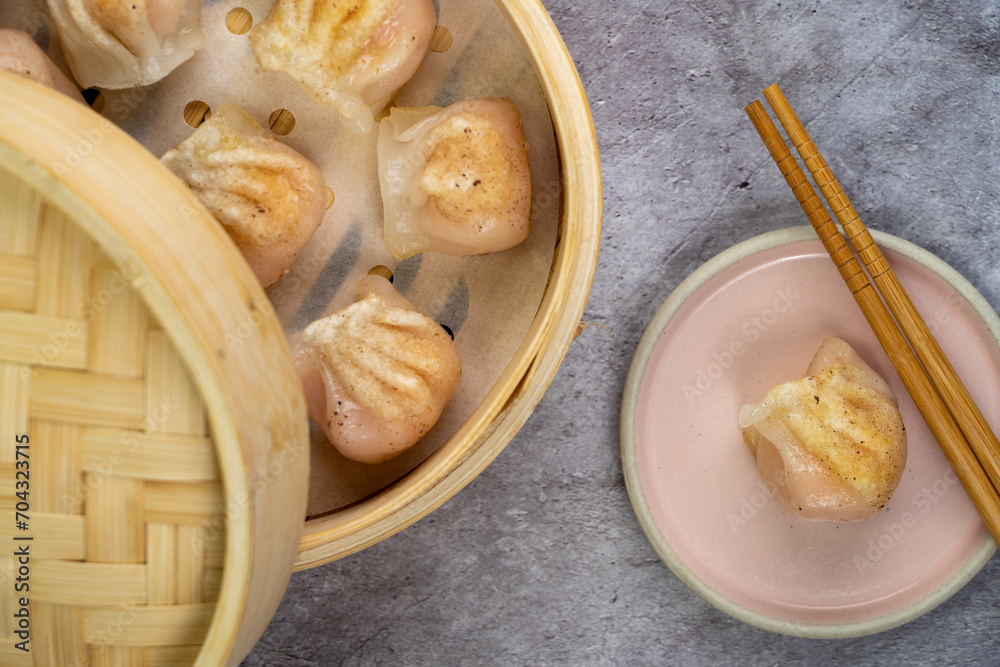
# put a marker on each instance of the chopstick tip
(758, 115)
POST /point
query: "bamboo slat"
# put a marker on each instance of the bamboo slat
(60, 487)
(7, 602)
(64, 269)
(13, 657)
(19, 216)
(169, 457)
(161, 545)
(190, 564)
(14, 382)
(211, 584)
(64, 537)
(86, 398)
(60, 634)
(184, 504)
(30, 338)
(114, 525)
(172, 401)
(88, 584)
(152, 625)
(7, 488)
(17, 282)
(118, 326)
(214, 551)
(168, 656)
(117, 656)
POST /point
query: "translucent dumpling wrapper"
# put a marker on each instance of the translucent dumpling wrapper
(352, 54)
(269, 198)
(378, 374)
(831, 445)
(126, 43)
(20, 56)
(454, 180)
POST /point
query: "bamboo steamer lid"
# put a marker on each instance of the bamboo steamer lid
(135, 344)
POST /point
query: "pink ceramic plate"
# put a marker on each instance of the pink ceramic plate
(751, 318)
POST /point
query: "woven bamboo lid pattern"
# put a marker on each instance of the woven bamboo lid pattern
(140, 549)
(125, 493)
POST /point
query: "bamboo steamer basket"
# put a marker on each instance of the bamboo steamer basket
(168, 438)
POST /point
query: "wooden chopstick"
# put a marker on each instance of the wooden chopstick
(944, 427)
(960, 403)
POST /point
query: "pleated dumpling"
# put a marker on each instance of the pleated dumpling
(126, 43)
(352, 54)
(832, 445)
(20, 55)
(454, 180)
(269, 198)
(378, 374)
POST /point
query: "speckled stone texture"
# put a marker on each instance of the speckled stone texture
(541, 561)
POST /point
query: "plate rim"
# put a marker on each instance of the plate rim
(630, 395)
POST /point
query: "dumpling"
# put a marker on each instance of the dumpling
(454, 180)
(378, 374)
(126, 43)
(20, 55)
(832, 445)
(352, 54)
(269, 198)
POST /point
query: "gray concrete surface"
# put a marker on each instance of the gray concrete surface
(540, 561)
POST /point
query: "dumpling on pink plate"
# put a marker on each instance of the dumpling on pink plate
(831, 445)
